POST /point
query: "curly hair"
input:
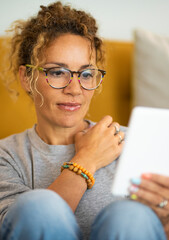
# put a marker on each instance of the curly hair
(31, 37)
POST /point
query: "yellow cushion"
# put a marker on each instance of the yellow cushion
(115, 97)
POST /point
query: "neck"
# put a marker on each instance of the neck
(59, 135)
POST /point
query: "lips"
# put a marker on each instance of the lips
(71, 107)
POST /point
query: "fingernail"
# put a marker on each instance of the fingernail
(146, 175)
(133, 188)
(133, 196)
(136, 181)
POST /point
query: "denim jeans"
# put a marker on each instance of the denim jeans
(44, 215)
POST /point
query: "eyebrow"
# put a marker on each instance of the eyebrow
(66, 66)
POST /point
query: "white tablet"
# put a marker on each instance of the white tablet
(146, 148)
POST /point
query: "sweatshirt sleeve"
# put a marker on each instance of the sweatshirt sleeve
(11, 182)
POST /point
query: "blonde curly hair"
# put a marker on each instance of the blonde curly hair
(33, 36)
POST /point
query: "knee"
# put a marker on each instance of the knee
(127, 219)
(41, 199)
(125, 213)
(39, 206)
(40, 213)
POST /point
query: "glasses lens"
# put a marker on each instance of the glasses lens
(90, 78)
(58, 77)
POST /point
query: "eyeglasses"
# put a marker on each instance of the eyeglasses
(59, 77)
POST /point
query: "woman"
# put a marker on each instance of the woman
(45, 171)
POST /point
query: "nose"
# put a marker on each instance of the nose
(74, 87)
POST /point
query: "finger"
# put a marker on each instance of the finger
(160, 179)
(166, 227)
(151, 200)
(152, 187)
(120, 148)
(155, 187)
(119, 137)
(105, 122)
(115, 127)
(148, 196)
(161, 213)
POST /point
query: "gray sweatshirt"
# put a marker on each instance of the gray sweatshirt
(27, 163)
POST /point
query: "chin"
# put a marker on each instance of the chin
(69, 123)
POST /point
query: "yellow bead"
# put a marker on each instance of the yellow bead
(75, 169)
(79, 172)
(90, 185)
(90, 175)
(71, 167)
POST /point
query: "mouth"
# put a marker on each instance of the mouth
(71, 107)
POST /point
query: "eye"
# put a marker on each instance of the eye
(57, 72)
(88, 74)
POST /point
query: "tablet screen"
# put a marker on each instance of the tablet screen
(146, 148)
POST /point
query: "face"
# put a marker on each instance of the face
(65, 107)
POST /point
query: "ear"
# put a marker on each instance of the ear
(24, 79)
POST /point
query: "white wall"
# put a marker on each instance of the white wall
(116, 18)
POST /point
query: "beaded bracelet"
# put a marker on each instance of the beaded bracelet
(76, 168)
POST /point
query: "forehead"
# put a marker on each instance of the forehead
(70, 48)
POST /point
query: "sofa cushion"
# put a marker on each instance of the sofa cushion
(150, 70)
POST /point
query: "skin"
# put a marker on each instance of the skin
(57, 124)
(152, 190)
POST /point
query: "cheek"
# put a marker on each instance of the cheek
(41, 92)
(88, 96)
(41, 84)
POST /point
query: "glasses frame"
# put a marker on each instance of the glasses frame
(46, 70)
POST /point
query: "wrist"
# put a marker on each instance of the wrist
(79, 170)
(85, 162)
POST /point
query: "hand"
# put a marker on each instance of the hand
(152, 189)
(100, 145)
